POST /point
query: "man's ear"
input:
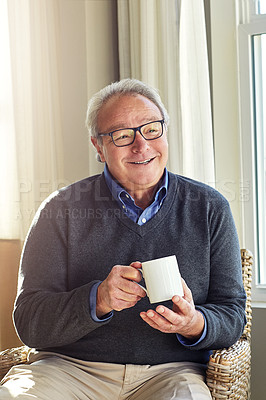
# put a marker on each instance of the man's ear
(98, 148)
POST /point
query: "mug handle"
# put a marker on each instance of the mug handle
(145, 290)
(142, 287)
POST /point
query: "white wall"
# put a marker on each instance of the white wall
(225, 104)
(102, 52)
(73, 86)
(88, 49)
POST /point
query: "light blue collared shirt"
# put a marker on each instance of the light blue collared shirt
(127, 203)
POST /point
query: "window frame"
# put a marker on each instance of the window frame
(246, 31)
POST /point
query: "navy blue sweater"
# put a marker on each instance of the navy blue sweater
(80, 233)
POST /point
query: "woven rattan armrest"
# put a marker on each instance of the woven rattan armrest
(228, 372)
(11, 357)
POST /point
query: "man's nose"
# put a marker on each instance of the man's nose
(140, 143)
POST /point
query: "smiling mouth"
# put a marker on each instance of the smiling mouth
(144, 162)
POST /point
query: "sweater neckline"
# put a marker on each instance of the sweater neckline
(153, 223)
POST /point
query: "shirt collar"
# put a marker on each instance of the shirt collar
(118, 191)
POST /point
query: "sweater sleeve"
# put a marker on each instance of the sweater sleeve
(224, 308)
(47, 313)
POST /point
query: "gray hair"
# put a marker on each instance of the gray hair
(124, 87)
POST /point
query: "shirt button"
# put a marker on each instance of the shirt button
(143, 220)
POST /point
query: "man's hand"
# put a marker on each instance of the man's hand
(119, 290)
(183, 319)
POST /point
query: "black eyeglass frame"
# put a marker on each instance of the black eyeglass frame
(138, 129)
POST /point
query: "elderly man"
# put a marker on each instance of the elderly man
(79, 303)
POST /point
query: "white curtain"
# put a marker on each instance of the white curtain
(30, 130)
(163, 43)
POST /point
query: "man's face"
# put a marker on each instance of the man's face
(140, 165)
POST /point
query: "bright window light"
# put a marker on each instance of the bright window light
(8, 171)
(261, 6)
(259, 74)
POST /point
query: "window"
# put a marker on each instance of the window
(252, 95)
(8, 174)
(259, 85)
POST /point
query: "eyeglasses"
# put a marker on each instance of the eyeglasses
(126, 136)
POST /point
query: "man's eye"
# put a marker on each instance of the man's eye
(123, 135)
(152, 131)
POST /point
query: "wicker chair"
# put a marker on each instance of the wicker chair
(228, 371)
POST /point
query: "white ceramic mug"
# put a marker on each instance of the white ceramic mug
(162, 279)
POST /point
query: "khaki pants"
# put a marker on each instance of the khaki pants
(55, 377)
